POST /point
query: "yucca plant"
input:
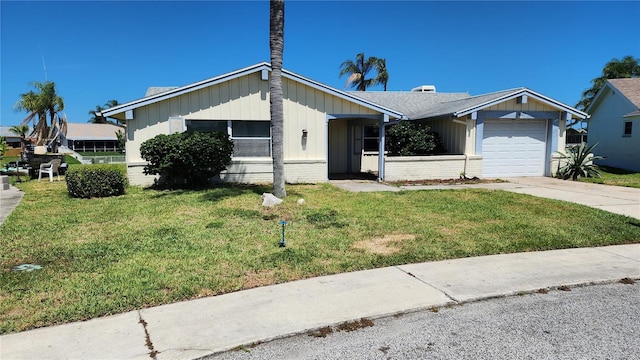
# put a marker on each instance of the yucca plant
(578, 163)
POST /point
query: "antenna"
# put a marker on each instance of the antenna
(44, 67)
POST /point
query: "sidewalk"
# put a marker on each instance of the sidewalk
(197, 328)
(9, 199)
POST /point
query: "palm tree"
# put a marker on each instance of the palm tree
(383, 75)
(20, 130)
(42, 104)
(276, 45)
(95, 117)
(359, 69)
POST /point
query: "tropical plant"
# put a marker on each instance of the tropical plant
(187, 159)
(614, 69)
(121, 140)
(96, 115)
(20, 130)
(3, 147)
(383, 76)
(40, 105)
(409, 138)
(276, 46)
(359, 69)
(578, 162)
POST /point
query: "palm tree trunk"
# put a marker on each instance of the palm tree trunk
(276, 44)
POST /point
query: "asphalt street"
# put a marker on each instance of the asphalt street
(592, 322)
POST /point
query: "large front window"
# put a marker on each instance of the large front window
(250, 138)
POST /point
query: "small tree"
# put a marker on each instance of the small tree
(187, 159)
(409, 138)
(121, 140)
(578, 163)
(3, 147)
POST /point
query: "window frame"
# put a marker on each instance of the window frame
(229, 131)
(627, 129)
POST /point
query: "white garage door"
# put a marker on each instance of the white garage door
(513, 148)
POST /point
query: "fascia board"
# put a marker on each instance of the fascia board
(242, 72)
(341, 94)
(184, 89)
(539, 97)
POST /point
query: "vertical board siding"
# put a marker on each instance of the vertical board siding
(247, 98)
(531, 105)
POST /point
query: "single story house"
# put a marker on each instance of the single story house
(12, 139)
(91, 137)
(329, 132)
(615, 123)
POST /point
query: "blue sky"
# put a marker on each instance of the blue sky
(102, 50)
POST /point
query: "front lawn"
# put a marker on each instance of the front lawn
(111, 255)
(618, 177)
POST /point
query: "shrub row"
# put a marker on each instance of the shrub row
(96, 181)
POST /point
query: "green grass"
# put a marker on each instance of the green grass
(110, 255)
(618, 177)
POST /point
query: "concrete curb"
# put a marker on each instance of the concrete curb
(202, 327)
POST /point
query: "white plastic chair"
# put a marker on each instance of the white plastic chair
(50, 168)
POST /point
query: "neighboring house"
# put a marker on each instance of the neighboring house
(615, 123)
(91, 137)
(10, 137)
(329, 132)
(576, 136)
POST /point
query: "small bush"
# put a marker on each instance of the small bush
(187, 159)
(89, 181)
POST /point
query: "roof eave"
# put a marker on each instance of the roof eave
(539, 97)
(113, 112)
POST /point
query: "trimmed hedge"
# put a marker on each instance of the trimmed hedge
(89, 181)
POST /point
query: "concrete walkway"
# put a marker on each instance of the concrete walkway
(197, 328)
(616, 199)
(9, 199)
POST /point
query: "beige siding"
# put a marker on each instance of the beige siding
(246, 98)
(431, 167)
(531, 105)
(453, 135)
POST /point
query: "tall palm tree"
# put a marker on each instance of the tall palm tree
(42, 104)
(276, 45)
(20, 130)
(358, 71)
(96, 115)
(383, 75)
(96, 118)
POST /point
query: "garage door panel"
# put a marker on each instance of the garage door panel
(514, 148)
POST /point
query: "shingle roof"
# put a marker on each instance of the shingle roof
(630, 88)
(411, 104)
(77, 131)
(154, 90)
(421, 105)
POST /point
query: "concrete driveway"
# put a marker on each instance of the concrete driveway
(615, 199)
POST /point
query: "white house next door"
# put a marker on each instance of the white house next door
(512, 148)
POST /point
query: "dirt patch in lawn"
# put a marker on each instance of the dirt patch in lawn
(385, 245)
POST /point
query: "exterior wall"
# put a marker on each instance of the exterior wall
(432, 167)
(453, 135)
(247, 98)
(513, 105)
(606, 128)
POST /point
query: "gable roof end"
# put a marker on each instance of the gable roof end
(242, 72)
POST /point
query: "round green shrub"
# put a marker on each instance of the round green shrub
(187, 159)
(88, 181)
